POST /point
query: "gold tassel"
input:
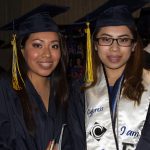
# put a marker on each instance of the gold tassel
(15, 66)
(89, 68)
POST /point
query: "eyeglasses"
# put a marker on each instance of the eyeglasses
(106, 41)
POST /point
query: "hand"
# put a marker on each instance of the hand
(55, 147)
(52, 146)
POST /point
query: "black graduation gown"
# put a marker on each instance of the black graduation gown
(13, 131)
(144, 142)
(76, 122)
(75, 118)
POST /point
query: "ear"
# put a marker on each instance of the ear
(96, 48)
(133, 47)
(22, 51)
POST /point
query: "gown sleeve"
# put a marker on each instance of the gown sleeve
(13, 133)
(144, 142)
(75, 118)
(6, 129)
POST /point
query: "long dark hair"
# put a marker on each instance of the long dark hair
(58, 82)
(132, 86)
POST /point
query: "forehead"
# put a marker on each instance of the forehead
(115, 31)
(43, 35)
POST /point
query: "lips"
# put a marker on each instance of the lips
(114, 59)
(46, 65)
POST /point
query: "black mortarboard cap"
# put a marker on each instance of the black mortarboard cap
(37, 20)
(115, 16)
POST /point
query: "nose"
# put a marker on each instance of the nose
(114, 46)
(46, 52)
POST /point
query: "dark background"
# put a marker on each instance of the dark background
(10, 9)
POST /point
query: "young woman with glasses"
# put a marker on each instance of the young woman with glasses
(112, 111)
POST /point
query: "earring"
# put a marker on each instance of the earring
(96, 48)
(133, 49)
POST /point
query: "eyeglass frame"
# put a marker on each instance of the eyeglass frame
(113, 39)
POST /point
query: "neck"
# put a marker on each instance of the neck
(113, 75)
(42, 86)
(39, 82)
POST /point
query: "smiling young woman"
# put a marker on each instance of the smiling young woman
(32, 104)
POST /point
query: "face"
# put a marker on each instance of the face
(114, 56)
(42, 53)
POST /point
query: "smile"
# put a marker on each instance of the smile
(114, 59)
(46, 64)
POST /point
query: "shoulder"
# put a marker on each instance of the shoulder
(7, 94)
(76, 95)
(5, 78)
(76, 103)
(146, 77)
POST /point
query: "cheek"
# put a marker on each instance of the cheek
(30, 55)
(127, 54)
(56, 55)
(102, 53)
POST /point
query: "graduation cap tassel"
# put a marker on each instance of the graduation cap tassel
(89, 68)
(15, 66)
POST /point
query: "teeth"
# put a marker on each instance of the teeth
(114, 59)
(46, 64)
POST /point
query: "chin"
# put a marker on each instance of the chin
(113, 67)
(45, 73)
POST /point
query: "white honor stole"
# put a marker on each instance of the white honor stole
(130, 119)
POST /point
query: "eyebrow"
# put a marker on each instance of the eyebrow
(105, 34)
(43, 40)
